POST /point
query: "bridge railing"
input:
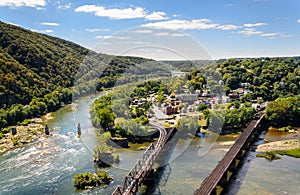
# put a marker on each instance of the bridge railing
(142, 167)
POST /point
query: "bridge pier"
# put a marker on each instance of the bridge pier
(233, 167)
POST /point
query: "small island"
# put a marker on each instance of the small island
(89, 180)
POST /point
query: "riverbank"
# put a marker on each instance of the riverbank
(29, 133)
(283, 147)
(279, 145)
(26, 133)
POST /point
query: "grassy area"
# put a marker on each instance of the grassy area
(273, 155)
(292, 152)
(268, 155)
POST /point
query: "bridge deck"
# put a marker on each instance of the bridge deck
(211, 181)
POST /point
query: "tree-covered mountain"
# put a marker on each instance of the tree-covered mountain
(39, 72)
(34, 64)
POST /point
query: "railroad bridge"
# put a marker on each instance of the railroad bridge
(144, 166)
(215, 182)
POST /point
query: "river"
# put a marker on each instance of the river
(48, 165)
(260, 176)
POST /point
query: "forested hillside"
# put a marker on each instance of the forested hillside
(186, 66)
(38, 72)
(33, 64)
(268, 78)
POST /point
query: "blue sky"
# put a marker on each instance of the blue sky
(235, 28)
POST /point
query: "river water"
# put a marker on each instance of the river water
(48, 165)
(260, 176)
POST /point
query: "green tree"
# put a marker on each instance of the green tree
(105, 119)
(284, 111)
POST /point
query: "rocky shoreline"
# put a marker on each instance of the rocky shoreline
(279, 145)
(26, 133)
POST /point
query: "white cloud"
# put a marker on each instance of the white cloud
(23, 3)
(250, 31)
(41, 8)
(199, 24)
(118, 14)
(13, 24)
(67, 6)
(96, 29)
(255, 24)
(298, 21)
(228, 27)
(166, 34)
(178, 35)
(136, 42)
(111, 37)
(46, 31)
(157, 16)
(115, 14)
(162, 34)
(49, 24)
(143, 31)
(269, 34)
(285, 35)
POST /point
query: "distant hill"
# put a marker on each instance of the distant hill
(186, 66)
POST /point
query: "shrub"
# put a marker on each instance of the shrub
(84, 180)
(6, 130)
(268, 155)
(32, 131)
(27, 122)
(103, 156)
(15, 141)
(107, 134)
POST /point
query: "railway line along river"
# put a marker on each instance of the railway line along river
(48, 165)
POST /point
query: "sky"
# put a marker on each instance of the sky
(168, 29)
